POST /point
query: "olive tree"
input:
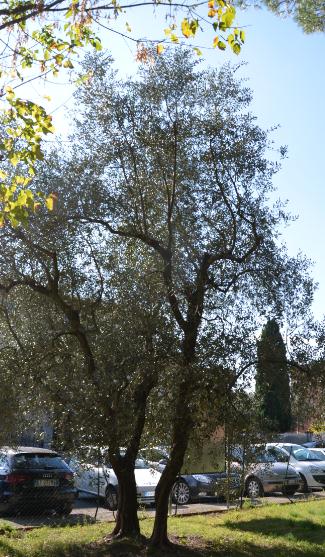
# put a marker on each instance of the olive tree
(173, 161)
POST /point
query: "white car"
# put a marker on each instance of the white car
(311, 469)
(94, 475)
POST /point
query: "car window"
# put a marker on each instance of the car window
(154, 455)
(264, 457)
(3, 460)
(280, 456)
(38, 461)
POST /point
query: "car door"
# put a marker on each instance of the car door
(96, 473)
(4, 468)
(78, 470)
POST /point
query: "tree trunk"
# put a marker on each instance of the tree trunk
(127, 522)
(181, 432)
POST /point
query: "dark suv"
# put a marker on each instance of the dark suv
(35, 479)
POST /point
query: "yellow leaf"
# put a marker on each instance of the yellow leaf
(215, 42)
(211, 4)
(186, 30)
(67, 64)
(160, 48)
(212, 12)
(128, 28)
(51, 201)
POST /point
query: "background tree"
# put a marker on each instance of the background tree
(308, 377)
(272, 380)
(309, 14)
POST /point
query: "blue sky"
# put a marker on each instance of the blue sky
(286, 70)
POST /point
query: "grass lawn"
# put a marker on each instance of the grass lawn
(270, 531)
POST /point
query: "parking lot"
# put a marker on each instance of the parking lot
(86, 510)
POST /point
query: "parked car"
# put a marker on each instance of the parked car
(33, 478)
(95, 475)
(308, 464)
(268, 472)
(190, 487)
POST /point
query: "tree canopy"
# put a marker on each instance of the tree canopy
(43, 39)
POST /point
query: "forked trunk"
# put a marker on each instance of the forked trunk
(181, 433)
(127, 522)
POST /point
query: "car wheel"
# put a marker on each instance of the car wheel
(289, 491)
(181, 493)
(111, 498)
(64, 510)
(254, 487)
(304, 488)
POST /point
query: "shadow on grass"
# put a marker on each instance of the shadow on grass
(299, 530)
(127, 549)
(34, 520)
(277, 532)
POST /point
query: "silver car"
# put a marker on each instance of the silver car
(269, 472)
(306, 463)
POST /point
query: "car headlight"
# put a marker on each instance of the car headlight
(201, 478)
(314, 469)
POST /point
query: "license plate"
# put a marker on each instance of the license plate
(46, 483)
(149, 494)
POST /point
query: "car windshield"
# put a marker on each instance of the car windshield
(38, 461)
(320, 454)
(301, 453)
(141, 463)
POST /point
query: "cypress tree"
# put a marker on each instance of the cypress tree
(272, 380)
